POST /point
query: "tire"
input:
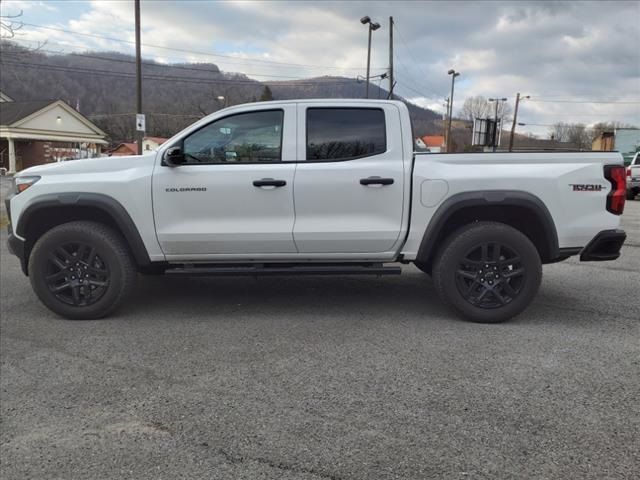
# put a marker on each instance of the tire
(81, 270)
(492, 290)
(631, 195)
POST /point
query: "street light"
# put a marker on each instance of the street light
(372, 26)
(495, 139)
(453, 74)
(515, 116)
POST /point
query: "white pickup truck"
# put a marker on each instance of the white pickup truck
(313, 187)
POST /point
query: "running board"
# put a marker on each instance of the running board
(275, 269)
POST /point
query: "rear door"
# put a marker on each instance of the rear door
(349, 185)
(234, 194)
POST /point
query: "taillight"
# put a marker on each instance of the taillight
(618, 178)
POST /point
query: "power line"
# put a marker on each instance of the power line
(413, 80)
(175, 60)
(100, 115)
(259, 60)
(154, 64)
(406, 46)
(635, 102)
(89, 71)
(413, 90)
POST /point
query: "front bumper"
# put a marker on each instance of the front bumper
(605, 246)
(16, 245)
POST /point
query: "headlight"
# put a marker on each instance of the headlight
(22, 183)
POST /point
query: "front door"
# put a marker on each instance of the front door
(233, 196)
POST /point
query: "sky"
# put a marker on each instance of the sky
(579, 61)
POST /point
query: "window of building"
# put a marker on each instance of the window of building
(345, 133)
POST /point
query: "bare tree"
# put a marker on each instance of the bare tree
(475, 107)
(559, 132)
(9, 25)
(576, 133)
(480, 107)
(601, 127)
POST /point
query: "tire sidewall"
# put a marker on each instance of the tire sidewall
(104, 249)
(466, 240)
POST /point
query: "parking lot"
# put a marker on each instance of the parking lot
(326, 378)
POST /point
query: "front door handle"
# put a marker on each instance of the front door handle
(269, 182)
(376, 181)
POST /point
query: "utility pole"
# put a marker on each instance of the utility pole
(515, 117)
(495, 119)
(444, 121)
(453, 74)
(139, 133)
(366, 85)
(372, 26)
(391, 58)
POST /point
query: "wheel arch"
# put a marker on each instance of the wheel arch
(47, 211)
(521, 210)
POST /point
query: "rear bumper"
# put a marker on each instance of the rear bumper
(605, 246)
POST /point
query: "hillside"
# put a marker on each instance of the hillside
(102, 86)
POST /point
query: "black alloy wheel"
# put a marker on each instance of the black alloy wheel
(491, 275)
(76, 274)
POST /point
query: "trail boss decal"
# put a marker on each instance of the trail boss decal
(186, 189)
(586, 187)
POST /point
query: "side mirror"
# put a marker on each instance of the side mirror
(174, 157)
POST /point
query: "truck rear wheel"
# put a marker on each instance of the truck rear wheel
(488, 272)
(81, 270)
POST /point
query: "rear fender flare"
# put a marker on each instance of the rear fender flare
(492, 198)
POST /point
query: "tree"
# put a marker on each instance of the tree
(480, 107)
(266, 94)
(602, 127)
(475, 107)
(576, 133)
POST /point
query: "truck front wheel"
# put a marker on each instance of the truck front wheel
(81, 270)
(488, 272)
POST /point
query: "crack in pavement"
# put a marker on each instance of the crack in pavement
(239, 459)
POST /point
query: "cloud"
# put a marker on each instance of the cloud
(563, 50)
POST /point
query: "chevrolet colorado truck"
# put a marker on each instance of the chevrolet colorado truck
(313, 187)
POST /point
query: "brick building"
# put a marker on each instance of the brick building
(44, 131)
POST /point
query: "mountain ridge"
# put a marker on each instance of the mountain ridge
(102, 86)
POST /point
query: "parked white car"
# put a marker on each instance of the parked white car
(313, 187)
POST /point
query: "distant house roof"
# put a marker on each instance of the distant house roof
(158, 140)
(12, 112)
(126, 148)
(433, 140)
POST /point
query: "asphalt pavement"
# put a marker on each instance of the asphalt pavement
(325, 378)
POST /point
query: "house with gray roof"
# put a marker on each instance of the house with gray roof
(44, 131)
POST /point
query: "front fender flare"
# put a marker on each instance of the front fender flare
(107, 204)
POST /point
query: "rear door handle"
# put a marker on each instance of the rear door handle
(376, 181)
(269, 182)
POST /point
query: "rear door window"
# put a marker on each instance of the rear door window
(335, 134)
